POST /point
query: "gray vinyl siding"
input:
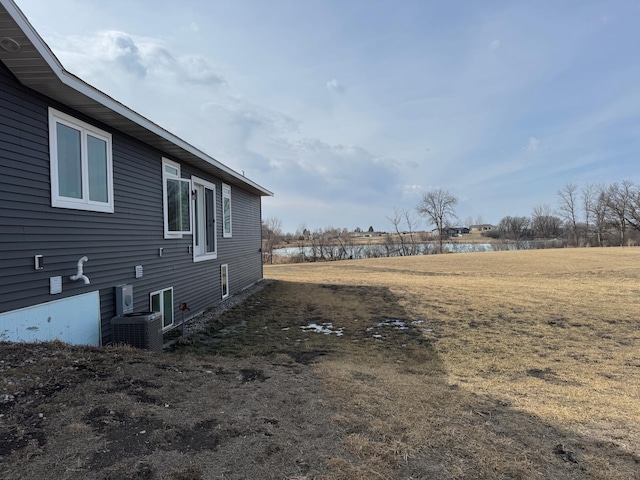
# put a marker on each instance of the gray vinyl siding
(114, 243)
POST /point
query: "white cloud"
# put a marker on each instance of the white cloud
(197, 69)
(138, 56)
(120, 48)
(334, 85)
(533, 145)
(412, 190)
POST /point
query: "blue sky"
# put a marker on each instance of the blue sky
(346, 109)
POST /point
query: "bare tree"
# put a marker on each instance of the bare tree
(589, 197)
(318, 241)
(396, 223)
(568, 208)
(404, 224)
(600, 212)
(620, 198)
(438, 207)
(301, 236)
(633, 216)
(345, 241)
(411, 222)
(271, 236)
(514, 228)
(543, 223)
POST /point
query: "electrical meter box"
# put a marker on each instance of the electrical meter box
(124, 299)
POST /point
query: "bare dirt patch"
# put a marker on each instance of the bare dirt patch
(118, 413)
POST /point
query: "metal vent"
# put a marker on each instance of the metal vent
(9, 45)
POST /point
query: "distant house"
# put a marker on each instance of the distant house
(450, 231)
(454, 231)
(482, 228)
(94, 196)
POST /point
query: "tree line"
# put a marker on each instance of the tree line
(590, 215)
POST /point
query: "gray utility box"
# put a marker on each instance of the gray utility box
(141, 329)
(124, 299)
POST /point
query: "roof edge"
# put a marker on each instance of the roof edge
(102, 98)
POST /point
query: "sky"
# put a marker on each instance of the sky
(347, 109)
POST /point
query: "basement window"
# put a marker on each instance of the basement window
(162, 301)
(224, 279)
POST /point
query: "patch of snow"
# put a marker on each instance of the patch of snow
(393, 322)
(324, 328)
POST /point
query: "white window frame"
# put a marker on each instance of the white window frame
(161, 293)
(224, 279)
(226, 195)
(199, 224)
(85, 203)
(168, 164)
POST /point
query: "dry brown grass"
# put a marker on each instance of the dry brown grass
(527, 366)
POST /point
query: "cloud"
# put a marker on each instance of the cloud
(533, 145)
(120, 48)
(102, 53)
(494, 45)
(412, 190)
(197, 69)
(194, 27)
(335, 86)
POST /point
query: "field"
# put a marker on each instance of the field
(529, 365)
(480, 366)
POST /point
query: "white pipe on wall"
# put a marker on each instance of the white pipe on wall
(80, 274)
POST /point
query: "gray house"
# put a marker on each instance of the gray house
(94, 196)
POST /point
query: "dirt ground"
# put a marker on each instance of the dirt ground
(119, 413)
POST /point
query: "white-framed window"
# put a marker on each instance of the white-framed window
(81, 162)
(224, 279)
(162, 301)
(175, 196)
(226, 210)
(204, 220)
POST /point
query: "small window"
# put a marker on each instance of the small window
(162, 301)
(177, 216)
(224, 278)
(204, 220)
(226, 210)
(81, 164)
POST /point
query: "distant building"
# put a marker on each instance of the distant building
(482, 228)
(455, 231)
(451, 231)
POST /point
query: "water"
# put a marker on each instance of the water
(374, 250)
(337, 252)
